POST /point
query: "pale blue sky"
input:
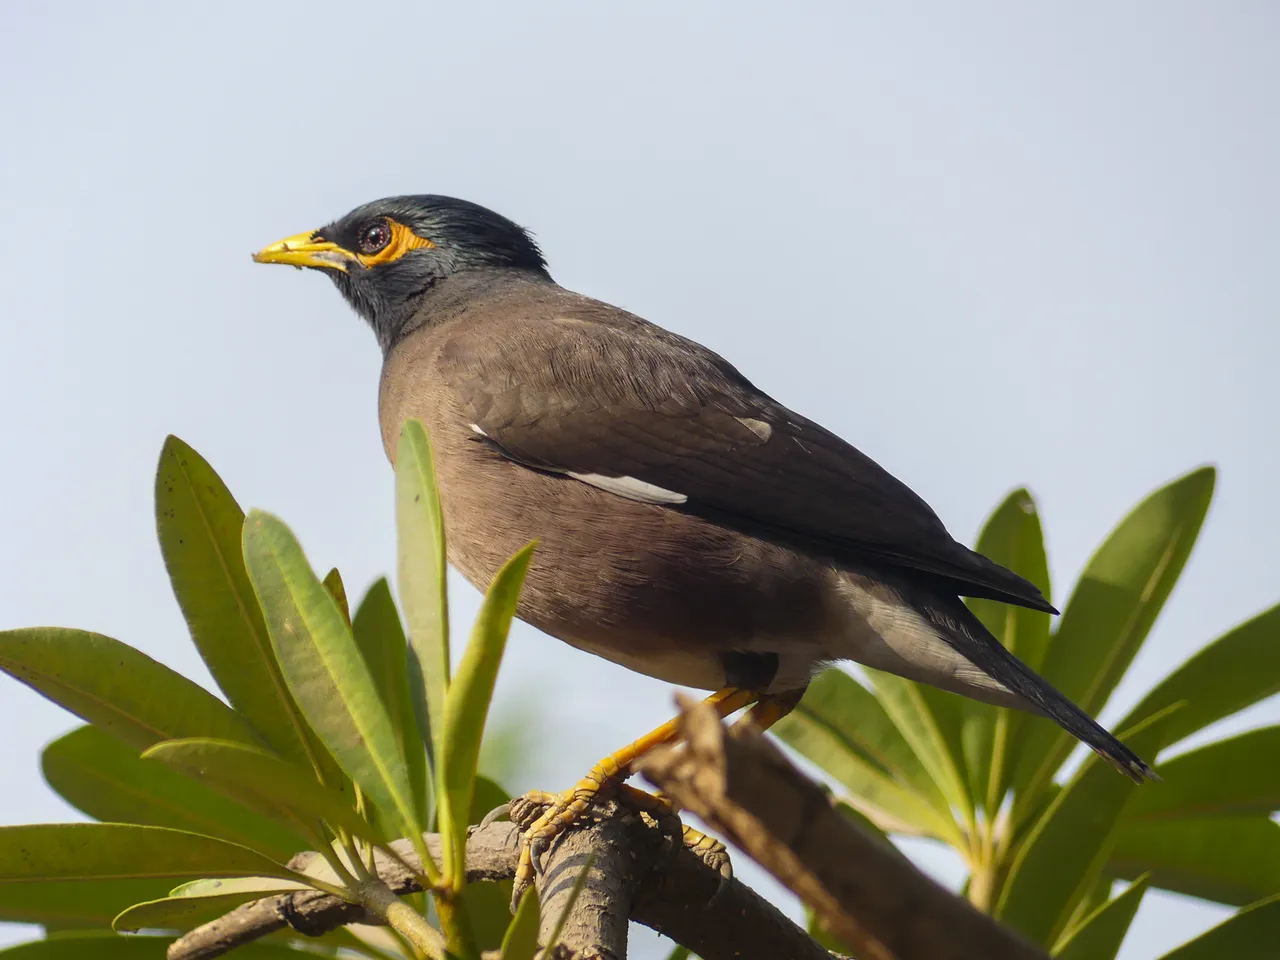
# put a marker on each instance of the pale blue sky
(989, 243)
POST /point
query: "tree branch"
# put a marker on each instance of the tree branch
(597, 924)
(868, 895)
(670, 892)
(865, 892)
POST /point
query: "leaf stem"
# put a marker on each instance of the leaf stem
(323, 847)
(344, 893)
(379, 900)
(337, 866)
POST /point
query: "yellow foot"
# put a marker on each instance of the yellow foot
(556, 813)
(524, 810)
(542, 817)
(664, 812)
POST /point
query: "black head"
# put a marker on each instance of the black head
(385, 255)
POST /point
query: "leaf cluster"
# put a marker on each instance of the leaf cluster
(1046, 843)
(339, 733)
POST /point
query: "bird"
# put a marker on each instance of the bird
(690, 527)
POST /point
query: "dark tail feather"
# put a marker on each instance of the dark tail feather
(965, 632)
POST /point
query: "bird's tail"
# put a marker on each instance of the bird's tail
(966, 634)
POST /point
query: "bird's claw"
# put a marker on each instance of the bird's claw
(666, 815)
(525, 810)
(709, 850)
(494, 815)
(541, 818)
(714, 854)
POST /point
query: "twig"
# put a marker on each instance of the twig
(869, 897)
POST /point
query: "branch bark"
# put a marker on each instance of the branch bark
(597, 924)
(867, 894)
(635, 865)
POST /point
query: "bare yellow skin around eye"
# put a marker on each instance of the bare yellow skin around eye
(402, 241)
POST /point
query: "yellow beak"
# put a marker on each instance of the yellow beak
(303, 251)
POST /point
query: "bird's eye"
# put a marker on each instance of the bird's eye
(375, 237)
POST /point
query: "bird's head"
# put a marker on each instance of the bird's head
(385, 255)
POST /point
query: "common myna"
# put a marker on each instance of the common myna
(690, 527)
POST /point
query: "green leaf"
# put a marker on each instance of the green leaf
(488, 796)
(77, 945)
(1102, 932)
(855, 721)
(116, 687)
(488, 905)
(1011, 537)
(1098, 893)
(1252, 934)
(978, 733)
(1068, 845)
(324, 669)
(187, 913)
(64, 903)
(105, 779)
(199, 524)
(1228, 778)
(122, 851)
(467, 706)
(1237, 670)
(930, 721)
(841, 727)
(1118, 598)
(99, 945)
(1233, 861)
(380, 637)
(338, 590)
(521, 940)
(488, 910)
(221, 886)
(423, 591)
(276, 788)
(109, 946)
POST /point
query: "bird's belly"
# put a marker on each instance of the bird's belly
(701, 670)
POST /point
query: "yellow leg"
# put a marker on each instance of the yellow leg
(612, 769)
(768, 710)
(762, 715)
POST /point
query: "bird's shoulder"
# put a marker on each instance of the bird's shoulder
(580, 348)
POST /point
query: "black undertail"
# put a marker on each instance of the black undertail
(966, 634)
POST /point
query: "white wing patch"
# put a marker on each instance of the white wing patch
(630, 487)
(760, 428)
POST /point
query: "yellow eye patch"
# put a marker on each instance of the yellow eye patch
(402, 241)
